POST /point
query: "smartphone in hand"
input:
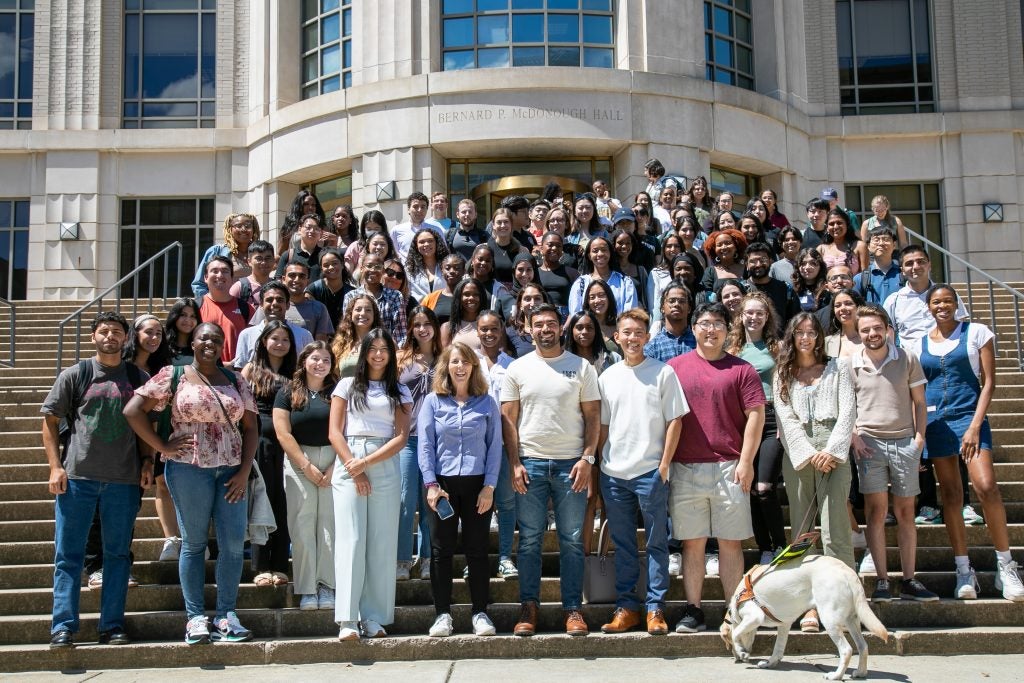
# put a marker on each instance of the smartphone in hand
(444, 508)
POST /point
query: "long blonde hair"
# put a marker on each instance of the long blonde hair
(443, 384)
(770, 334)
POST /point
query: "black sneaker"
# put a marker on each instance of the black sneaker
(115, 636)
(881, 593)
(912, 589)
(61, 639)
(692, 621)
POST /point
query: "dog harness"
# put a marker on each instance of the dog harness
(747, 594)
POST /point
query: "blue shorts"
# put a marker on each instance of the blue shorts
(942, 437)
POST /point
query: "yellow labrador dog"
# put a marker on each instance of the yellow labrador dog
(782, 594)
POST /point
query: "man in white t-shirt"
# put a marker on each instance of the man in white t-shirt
(551, 410)
(642, 407)
(416, 204)
(907, 308)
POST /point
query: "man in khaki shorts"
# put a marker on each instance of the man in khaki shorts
(887, 444)
(713, 465)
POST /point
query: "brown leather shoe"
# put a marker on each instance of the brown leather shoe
(656, 624)
(623, 620)
(575, 624)
(527, 624)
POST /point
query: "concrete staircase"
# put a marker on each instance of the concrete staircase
(286, 635)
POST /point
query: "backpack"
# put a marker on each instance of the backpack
(83, 380)
(163, 423)
(866, 286)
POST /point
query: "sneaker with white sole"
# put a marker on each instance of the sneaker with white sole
(442, 627)
(859, 539)
(966, 585)
(171, 549)
(766, 557)
(132, 581)
(402, 572)
(692, 621)
(308, 602)
(197, 630)
(371, 629)
(675, 564)
(928, 515)
(867, 564)
(711, 564)
(1008, 581)
(228, 629)
(324, 597)
(507, 569)
(425, 570)
(482, 625)
(972, 518)
(348, 631)
(96, 579)
(882, 593)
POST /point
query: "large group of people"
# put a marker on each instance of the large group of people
(672, 361)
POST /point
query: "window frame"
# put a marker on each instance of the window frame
(713, 67)
(136, 227)
(14, 231)
(343, 43)
(21, 107)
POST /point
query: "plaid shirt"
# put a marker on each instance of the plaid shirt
(392, 311)
(664, 346)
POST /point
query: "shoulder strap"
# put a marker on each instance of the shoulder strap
(449, 235)
(244, 289)
(231, 377)
(243, 308)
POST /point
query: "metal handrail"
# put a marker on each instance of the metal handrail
(992, 282)
(134, 277)
(14, 320)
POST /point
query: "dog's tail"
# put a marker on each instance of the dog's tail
(868, 618)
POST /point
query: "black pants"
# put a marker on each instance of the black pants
(765, 508)
(94, 546)
(476, 536)
(273, 557)
(926, 478)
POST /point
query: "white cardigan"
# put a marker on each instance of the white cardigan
(834, 399)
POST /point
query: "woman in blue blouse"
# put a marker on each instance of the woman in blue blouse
(459, 429)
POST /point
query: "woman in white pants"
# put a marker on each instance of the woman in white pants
(369, 425)
(301, 413)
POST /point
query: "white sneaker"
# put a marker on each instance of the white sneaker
(711, 564)
(860, 540)
(972, 518)
(551, 520)
(867, 565)
(308, 602)
(966, 585)
(171, 550)
(766, 557)
(96, 579)
(675, 564)
(1008, 581)
(402, 573)
(507, 569)
(494, 522)
(482, 625)
(348, 631)
(442, 627)
(371, 629)
(324, 597)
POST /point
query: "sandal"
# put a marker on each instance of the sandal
(264, 579)
(809, 624)
(279, 578)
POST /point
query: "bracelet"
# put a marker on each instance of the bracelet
(432, 485)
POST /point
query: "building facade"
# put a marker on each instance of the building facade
(128, 124)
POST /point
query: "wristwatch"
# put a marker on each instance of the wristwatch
(588, 458)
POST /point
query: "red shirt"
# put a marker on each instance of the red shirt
(719, 393)
(230, 319)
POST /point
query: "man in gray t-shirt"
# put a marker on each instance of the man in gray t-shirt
(101, 469)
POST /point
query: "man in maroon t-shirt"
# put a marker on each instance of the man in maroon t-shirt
(714, 462)
(220, 307)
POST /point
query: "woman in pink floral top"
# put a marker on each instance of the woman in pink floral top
(209, 456)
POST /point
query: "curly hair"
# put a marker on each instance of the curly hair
(229, 239)
(737, 237)
(785, 367)
(799, 286)
(769, 335)
(346, 338)
(414, 263)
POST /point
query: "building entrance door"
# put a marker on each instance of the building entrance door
(488, 195)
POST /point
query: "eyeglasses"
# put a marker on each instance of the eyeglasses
(396, 274)
(708, 325)
(840, 278)
(805, 335)
(373, 266)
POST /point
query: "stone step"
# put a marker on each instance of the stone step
(18, 510)
(415, 620)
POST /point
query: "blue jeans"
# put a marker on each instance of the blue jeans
(198, 494)
(119, 505)
(550, 480)
(622, 499)
(505, 506)
(414, 499)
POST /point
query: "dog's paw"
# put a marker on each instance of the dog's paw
(742, 657)
(766, 664)
(859, 674)
(834, 676)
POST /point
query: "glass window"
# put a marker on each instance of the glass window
(149, 225)
(170, 50)
(14, 248)
(742, 186)
(327, 46)
(728, 43)
(552, 33)
(333, 192)
(17, 47)
(918, 205)
(884, 52)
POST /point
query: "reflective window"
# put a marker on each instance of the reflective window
(728, 42)
(326, 46)
(918, 205)
(742, 186)
(17, 46)
(14, 248)
(885, 60)
(169, 63)
(333, 191)
(497, 33)
(149, 225)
